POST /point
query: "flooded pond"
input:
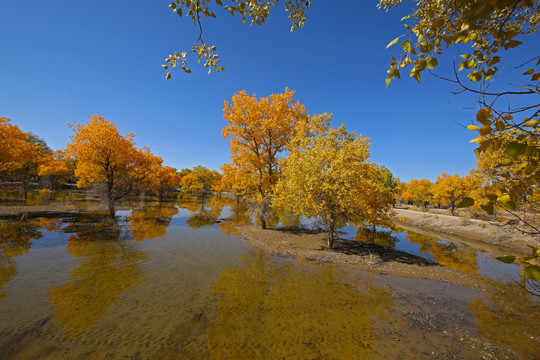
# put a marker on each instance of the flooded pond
(170, 282)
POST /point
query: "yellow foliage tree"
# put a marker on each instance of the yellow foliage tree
(452, 189)
(510, 184)
(20, 153)
(259, 131)
(166, 179)
(508, 122)
(328, 174)
(12, 141)
(55, 166)
(201, 179)
(104, 157)
(418, 192)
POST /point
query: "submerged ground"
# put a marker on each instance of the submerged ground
(170, 281)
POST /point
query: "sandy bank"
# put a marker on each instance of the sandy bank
(311, 247)
(56, 209)
(476, 231)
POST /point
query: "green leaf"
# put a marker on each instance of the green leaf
(406, 45)
(531, 123)
(506, 162)
(514, 149)
(535, 251)
(504, 198)
(531, 260)
(533, 272)
(432, 63)
(528, 72)
(475, 76)
(393, 42)
(466, 202)
(507, 259)
(388, 80)
(487, 207)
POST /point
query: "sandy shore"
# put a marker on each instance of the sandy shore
(55, 209)
(311, 247)
(478, 232)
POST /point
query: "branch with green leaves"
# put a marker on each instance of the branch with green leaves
(255, 12)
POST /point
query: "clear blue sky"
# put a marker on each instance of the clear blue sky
(62, 60)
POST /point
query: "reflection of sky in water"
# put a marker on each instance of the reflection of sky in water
(488, 265)
(492, 268)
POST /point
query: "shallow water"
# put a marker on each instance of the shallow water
(167, 282)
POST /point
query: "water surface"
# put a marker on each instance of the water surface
(168, 282)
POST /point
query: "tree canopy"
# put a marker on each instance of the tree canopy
(259, 132)
(328, 174)
(107, 158)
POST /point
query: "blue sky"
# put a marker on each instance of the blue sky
(64, 60)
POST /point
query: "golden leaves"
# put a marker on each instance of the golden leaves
(328, 174)
(259, 131)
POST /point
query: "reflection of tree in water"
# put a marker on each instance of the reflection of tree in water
(190, 202)
(48, 224)
(455, 256)
(109, 267)
(271, 311)
(15, 240)
(508, 316)
(205, 212)
(374, 236)
(240, 215)
(151, 221)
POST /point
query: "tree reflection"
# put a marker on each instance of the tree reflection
(508, 315)
(271, 311)
(374, 236)
(240, 215)
(109, 267)
(15, 240)
(205, 212)
(151, 221)
(455, 256)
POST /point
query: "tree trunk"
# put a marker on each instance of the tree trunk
(161, 191)
(331, 226)
(262, 216)
(453, 208)
(25, 188)
(110, 201)
(111, 210)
